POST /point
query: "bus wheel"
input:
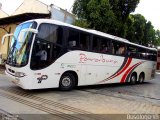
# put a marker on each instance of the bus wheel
(133, 79)
(67, 82)
(141, 78)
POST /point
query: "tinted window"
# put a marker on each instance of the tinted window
(105, 45)
(84, 41)
(155, 55)
(73, 39)
(101, 45)
(49, 33)
(78, 40)
(141, 53)
(159, 53)
(151, 55)
(96, 44)
(132, 51)
(47, 46)
(118, 48)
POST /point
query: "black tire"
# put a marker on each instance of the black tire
(67, 82)
(133, 79)
(141, 78)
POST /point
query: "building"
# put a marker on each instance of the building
(2, 31)
(29, 9)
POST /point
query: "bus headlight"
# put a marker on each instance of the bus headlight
(20, 74)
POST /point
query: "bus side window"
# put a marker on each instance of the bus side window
(112, 49)
(115, 48)
(96, 44)
(152, 55)
(73, 39)
(121, 50)
(118, 48)
(72, 43)
(105, 46)
(84, 41)
(131, 51)
(141, 53)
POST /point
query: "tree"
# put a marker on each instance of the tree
(97, 13)
(122, 10)
(130, 34)
(105, 15)
(113, 17)
(80, 8)
(157, 40)
(81, 23)
(149, 34)
(139, 26)
(140, 31)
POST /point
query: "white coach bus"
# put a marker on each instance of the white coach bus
(50, 54)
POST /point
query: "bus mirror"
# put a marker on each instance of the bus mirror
(30, 30)
(24, 31)
(3, 38)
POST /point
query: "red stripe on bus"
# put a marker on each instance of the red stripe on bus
(128, 71)
(119, 72)
(124, 68)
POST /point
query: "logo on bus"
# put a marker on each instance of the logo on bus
(43, 77)
(84, 58)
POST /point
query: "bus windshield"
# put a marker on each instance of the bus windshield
(20, 45)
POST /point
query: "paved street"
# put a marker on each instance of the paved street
(102, 99)
(147, 92)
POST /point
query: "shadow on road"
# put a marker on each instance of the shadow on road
(114, 85)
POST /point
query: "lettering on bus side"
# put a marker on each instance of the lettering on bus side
(84, 58)
(67, 66)
(43, 77)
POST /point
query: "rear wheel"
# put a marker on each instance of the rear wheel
(141, 78)
(67, 82)
(133, 79)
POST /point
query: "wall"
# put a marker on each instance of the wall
(62, 15)
(4, 48)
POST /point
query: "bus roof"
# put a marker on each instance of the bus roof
(90, 31)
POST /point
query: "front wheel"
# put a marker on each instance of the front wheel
(67, 82)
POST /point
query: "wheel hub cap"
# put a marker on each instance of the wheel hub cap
(66, 81)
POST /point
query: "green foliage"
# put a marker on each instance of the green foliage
(157, 40)
(81, 23)
(140, 31)
(97, 13)
(149, 34)
(138, 27)
(113, 17)
(80, 8)
(122, 10)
